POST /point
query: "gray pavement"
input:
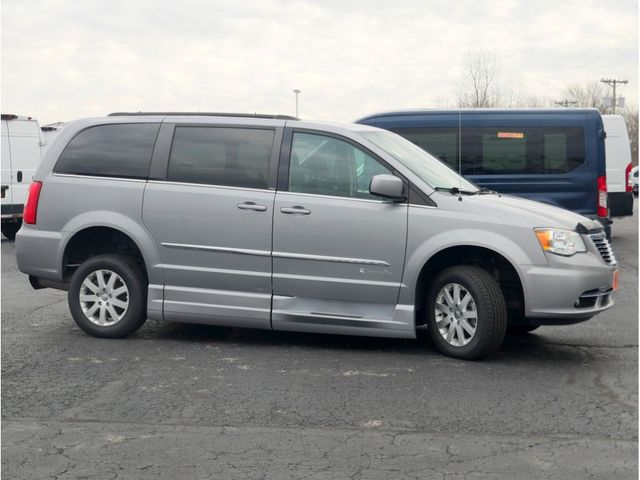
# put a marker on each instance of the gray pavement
(186, 401)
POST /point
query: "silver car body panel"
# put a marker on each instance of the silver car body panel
(334, 261)
(347, 266)
(229, 277)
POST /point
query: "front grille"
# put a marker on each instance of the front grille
(602, 244)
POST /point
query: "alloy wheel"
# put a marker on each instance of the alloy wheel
(456, 314)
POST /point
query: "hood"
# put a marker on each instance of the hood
(535, 214)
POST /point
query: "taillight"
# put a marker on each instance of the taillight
(627, 173)
(31, 207)
(603, 210)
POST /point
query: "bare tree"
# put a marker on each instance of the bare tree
(630, 115)
(535, 101)
(587, 95)
(478, 86)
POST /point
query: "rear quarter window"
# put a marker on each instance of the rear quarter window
(118, 150)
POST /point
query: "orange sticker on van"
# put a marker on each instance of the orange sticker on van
(510, 135)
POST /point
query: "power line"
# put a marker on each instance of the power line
(612, 82)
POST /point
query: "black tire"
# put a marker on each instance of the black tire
(9, 229)
(133, 276)
(521, 329)
(491, 312)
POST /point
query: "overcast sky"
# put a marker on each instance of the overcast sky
(64, 59)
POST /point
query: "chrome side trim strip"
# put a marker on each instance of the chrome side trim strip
(192, 268)
(98, 177)
(265, 253)
(326, 258)
(337, 197)
(212, 186)
(216, 306)
(215, 291)
(354, 281)
(208, 248)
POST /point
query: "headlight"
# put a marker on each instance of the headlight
(561, 242)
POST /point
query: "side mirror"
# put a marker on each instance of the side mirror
(387, 186)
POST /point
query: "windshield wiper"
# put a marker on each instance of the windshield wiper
(486, 191)
(455, 191)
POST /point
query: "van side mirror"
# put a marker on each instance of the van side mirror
(387, 186)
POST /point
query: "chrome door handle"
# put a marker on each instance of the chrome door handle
(251, 206)
(295, 209)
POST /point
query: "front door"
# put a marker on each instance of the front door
(211, 219)
(338, 251)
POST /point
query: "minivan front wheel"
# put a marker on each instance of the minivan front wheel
(466, 312)
(107, 296)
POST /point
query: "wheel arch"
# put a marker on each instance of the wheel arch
(500, 262)
(107, 221)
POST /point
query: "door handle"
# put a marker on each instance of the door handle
(19, 175)
(251, 206)
(296, 209)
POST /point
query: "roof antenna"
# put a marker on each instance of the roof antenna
(460, 154)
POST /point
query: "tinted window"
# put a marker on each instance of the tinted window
(237, 157)
(503, 150)
(531, 150)
(328, 166)
(121, 150)
(442, 143)
(563, 149)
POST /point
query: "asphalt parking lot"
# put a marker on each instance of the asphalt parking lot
(184, 401)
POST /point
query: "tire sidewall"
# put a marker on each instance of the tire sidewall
(131, 276)
(485, 314)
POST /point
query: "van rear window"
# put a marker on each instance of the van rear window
(504, 150)
(117, 150)
(533, 150)
(443, 144)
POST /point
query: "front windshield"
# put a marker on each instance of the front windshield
(428, 168)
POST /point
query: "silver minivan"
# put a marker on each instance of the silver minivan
(269, 222)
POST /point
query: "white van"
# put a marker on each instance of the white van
(49, 133)
(618, 159)
(21, 154)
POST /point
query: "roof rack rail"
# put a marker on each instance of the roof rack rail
(204, 114)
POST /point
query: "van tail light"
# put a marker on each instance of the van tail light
(627, 174)
(603, 210)
(31, 207)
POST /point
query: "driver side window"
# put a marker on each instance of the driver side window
(327, 166)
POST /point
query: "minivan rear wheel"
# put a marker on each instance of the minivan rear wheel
(466, 312)
(108, 296)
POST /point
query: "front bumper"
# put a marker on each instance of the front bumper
(569, 289)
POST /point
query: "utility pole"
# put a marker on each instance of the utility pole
(612, 82)
(297, 92)
(566, 102)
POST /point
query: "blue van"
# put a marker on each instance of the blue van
(555, 156)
